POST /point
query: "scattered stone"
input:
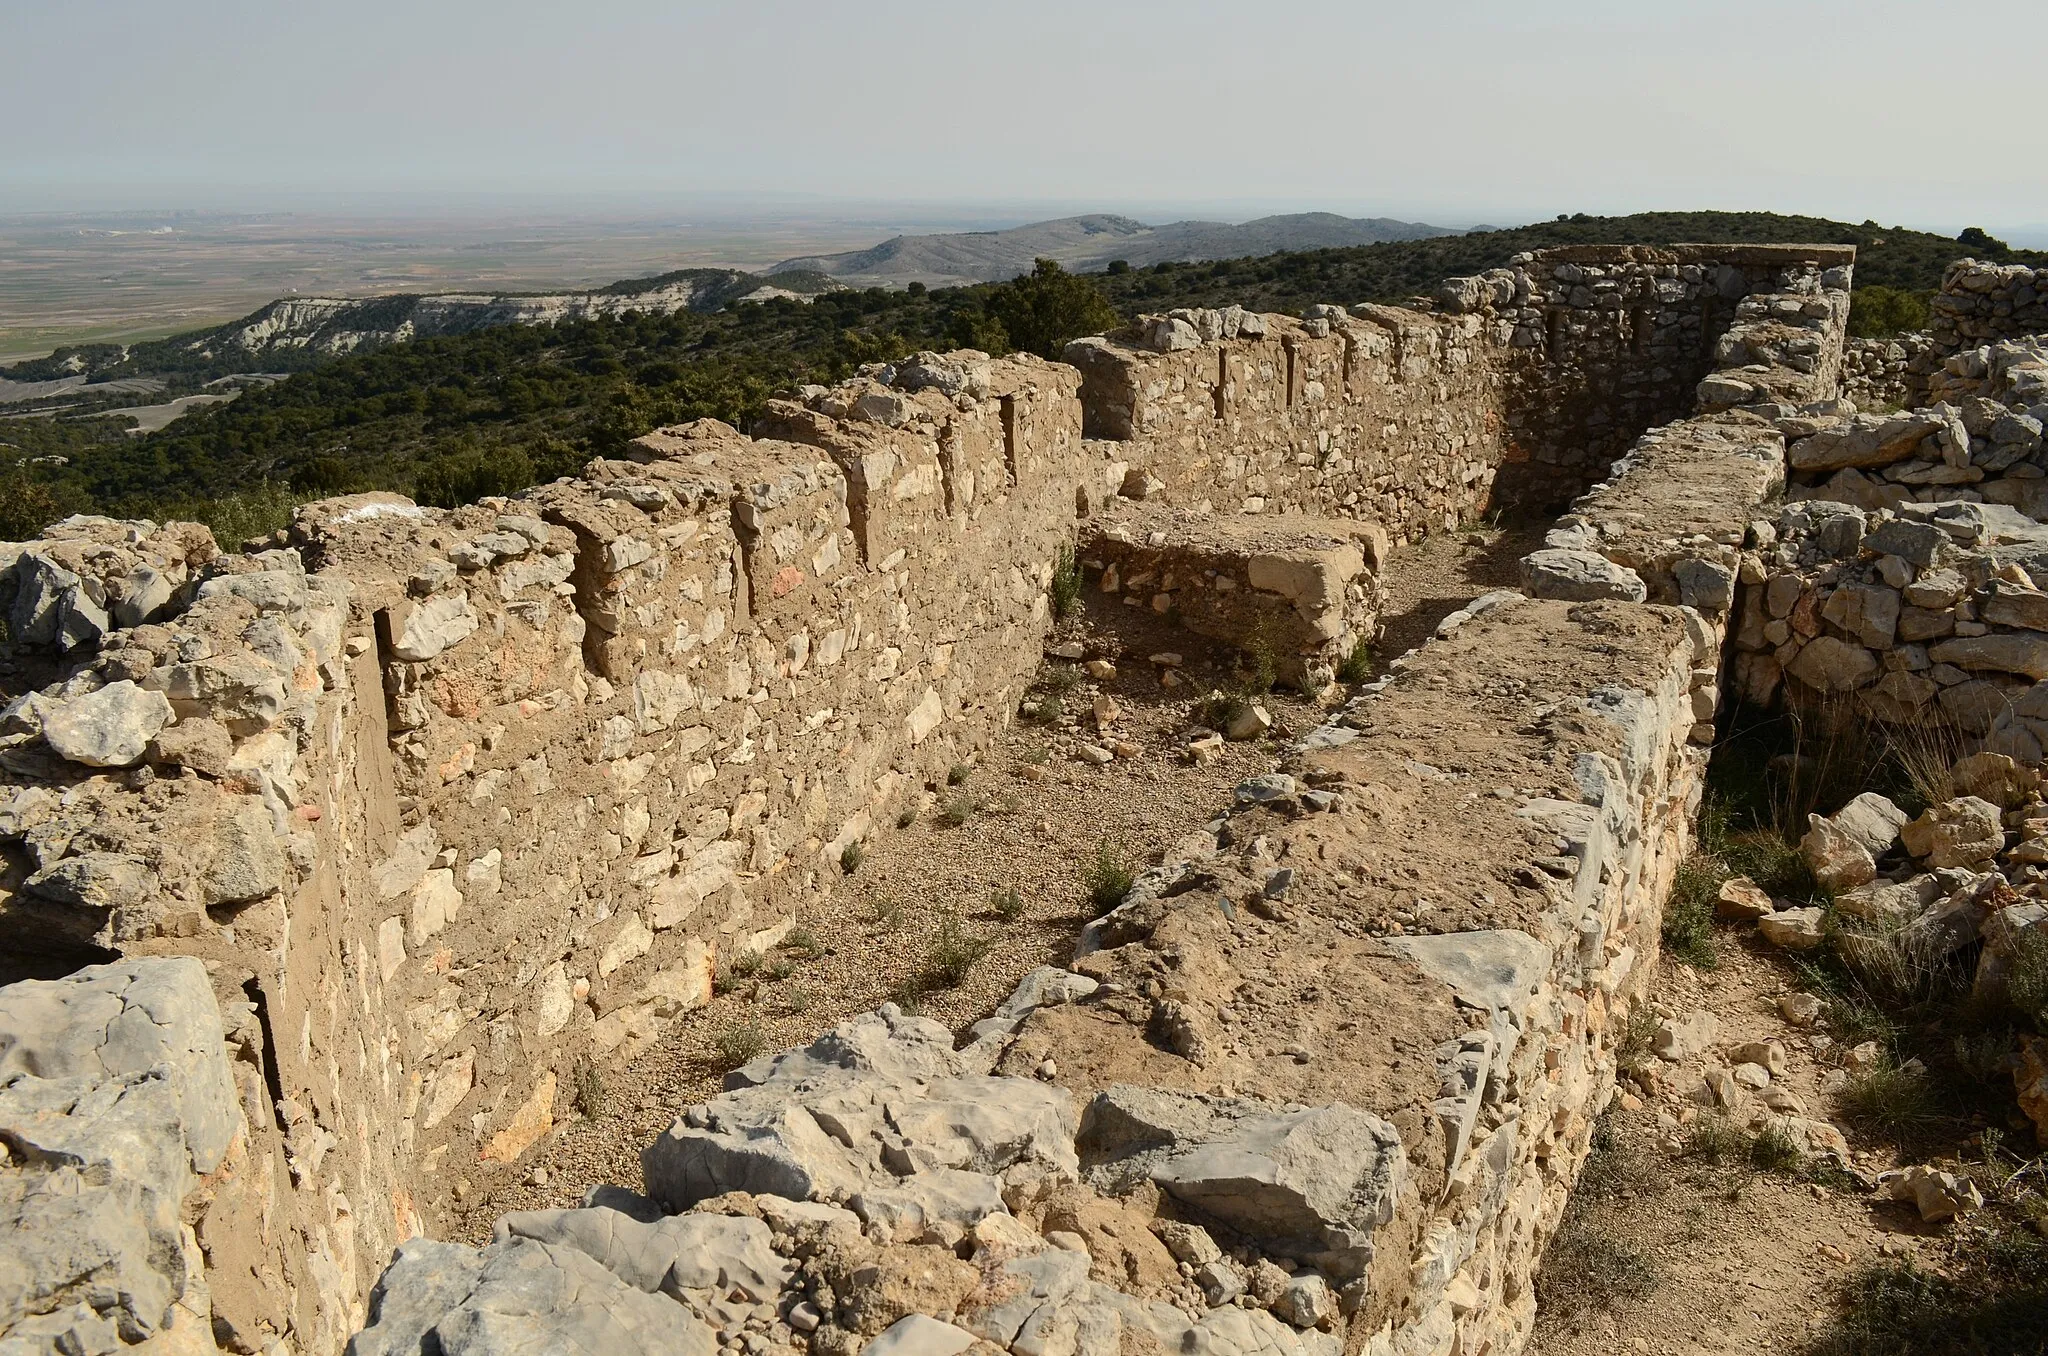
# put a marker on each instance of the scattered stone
(1801, 929)
(1962, 832)
(1679, 1039)
(1937, 1195)
(1800, 1009)
(1741, 898)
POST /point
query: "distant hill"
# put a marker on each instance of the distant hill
(293, 333)
(499, 406)
(1091, 243)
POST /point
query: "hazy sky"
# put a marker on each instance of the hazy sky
(1446, 110)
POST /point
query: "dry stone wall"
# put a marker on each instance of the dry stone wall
(448, 803)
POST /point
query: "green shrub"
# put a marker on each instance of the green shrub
(1045, 309)
(1066, 582)
(957, 810)
(738, 1043)
(1688, 927)
(952, 955)
(852, 855)
(1879, 312)
(1360, 665)
(957, 774)
(1889, 1100)
(589, 1089)
(1007, 903)
(1107, 878)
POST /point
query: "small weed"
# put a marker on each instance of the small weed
(2026, 978)
(1853, 1018)
(1007, 903)
(852, 855)
(738, 1043)
(1260, 660)
(1715, 1139)
(780, 969)
(957, 810)
(1925, 751)
(589, 1086)
(804, 943)
(1689, 912)
(1360, 665)
(907, 817)
(1773, 1150)
(1108, 879)
(1889, 1100)
(1044, 710)
(888, 915)
(1038, 754)
(1981, 1057)
(1065, 587)
(958, 774)
(1220, 710)
(952, 955)
(797, 999)
(1585, 1269)
(1633, 1048)
(909, 997)
(742, 967)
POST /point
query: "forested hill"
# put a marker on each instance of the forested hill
(452, 418)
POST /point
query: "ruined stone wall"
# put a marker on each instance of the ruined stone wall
(1537, 375)
(450, 802)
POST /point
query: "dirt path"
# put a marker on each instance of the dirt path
(1429, 581)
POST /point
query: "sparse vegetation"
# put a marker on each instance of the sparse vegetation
(1893, 1100)
(1219, 710)
(1994, 1304)
(1689, 912)
(738, 1043)
(737, 970)
(958, 809)
(1007, 904)
(1361, 665)
(952, 955)
(1065, 589)
(1108, 879)
(589, 1090)
(804, 943)
(852, 855)
(957, 774)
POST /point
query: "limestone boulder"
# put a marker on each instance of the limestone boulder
(1742, 898)
(1961, 832)
(866, 1109)
(1826, 664)
(115, 1099)
(1802, 929)
(1997, 778)
(1576, 576)
(111, 727)
(1872, 821)
(1311, 1182)
(1861, 441)
(1837, 858)
(518, 1297)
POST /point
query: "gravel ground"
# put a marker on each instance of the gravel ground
(1039, 815)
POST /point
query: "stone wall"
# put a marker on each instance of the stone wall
(452, 802)
(1902, 580)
